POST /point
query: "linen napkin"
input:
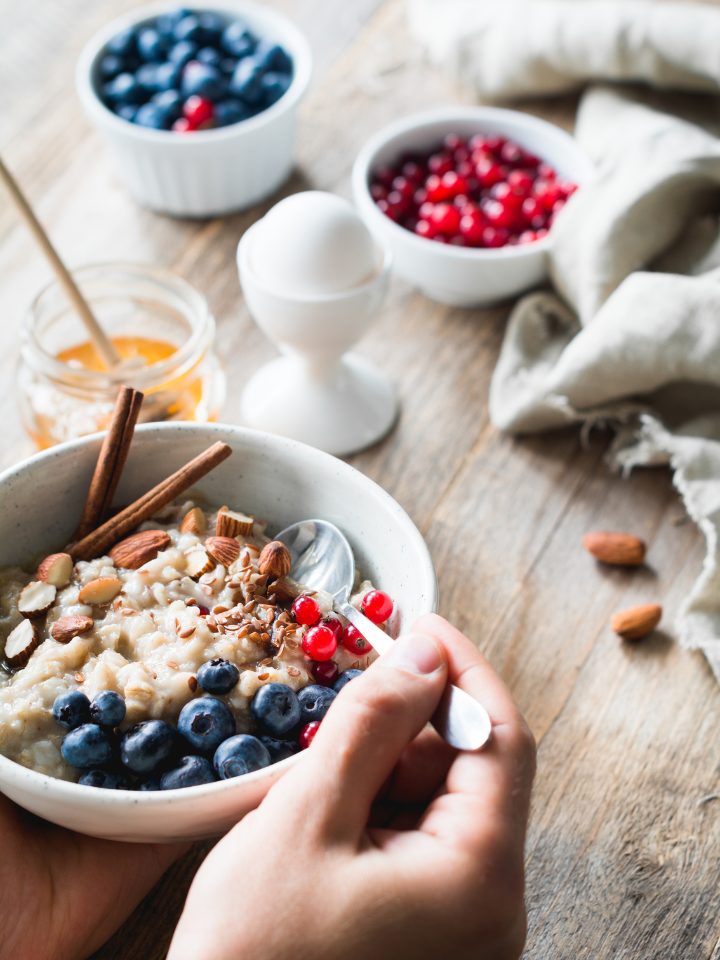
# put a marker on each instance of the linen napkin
(511, 48)
(632, 335)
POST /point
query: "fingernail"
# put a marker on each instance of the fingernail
(415, 653)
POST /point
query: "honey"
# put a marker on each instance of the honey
(162, 332)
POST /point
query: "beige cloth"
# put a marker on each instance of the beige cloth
(510, 48)
(632, 336)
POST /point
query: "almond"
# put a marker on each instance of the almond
(198, 562)
(275, 560)
(36, 598)
(637, 622)
(194, 522)
(136, 550)
(21, 642)
(232, 524)
(67, 628)
(617, 549)
(101, 590)
(224, 550)
(56, 569)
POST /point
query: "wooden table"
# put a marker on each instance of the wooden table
(624, 849)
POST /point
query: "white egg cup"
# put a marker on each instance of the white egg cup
(317, 392)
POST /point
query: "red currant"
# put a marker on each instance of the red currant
(472, 225)
(423, 228)
(531, 209)
(334, 624)
(413, 172)
(446, 218)
(307, 733)
(520, 180)
(306, 611)
(325, 672)
(378, 191)
(498, 214)
(453, 183)
(203, 611)
(453, 142)
(354, 641)
(385, 176)
(495, 237)
(439, 163)
(182, 125)
(319, 643)
(403, 187)
(377, 606)
(198, 110)
(436, 190)
(489, 173)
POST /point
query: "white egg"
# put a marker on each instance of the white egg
(311, 244)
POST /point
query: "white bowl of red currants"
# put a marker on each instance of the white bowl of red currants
(197, 105)
(465, 199)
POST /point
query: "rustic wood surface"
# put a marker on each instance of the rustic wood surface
(624, 849)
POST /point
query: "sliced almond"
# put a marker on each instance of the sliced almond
(36, 598)
(232, 524)
(194, 522)
(101, 590)
(67, 628)
(275, 560)
(198, 562)
(224, 550)
(56, 569)
(21, 642)
(135, 551)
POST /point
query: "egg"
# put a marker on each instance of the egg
(313, 244)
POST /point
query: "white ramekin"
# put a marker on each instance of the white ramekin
(211, 172)
(459, 275)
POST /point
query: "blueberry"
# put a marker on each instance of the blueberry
(271, 56)
(279, 749)
(167, 76)
(71, 709)
(170, 102)
(218, 676)
(153, 117)
(127, 112)
(147, 745)
(105, 779)
(124, 89)
(227, 65)
(237, 40)
(152, 783)
(182, 53)
(209, 56)
(87, 746)
(110, 66)
(189, 29)
(230, 111)
(344, 678)
(274, 86)
(107, 709)
(165, 25)
(246, 81)
(315, 702)
(276, 708)
(147, 78)
(202, 80)
(205, 723)
(212, 26)
(123, 43)
(240, 754)
(189, 772)
(150, 45)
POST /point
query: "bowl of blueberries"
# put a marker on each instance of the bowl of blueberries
(197, 105)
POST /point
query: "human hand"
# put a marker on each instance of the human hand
(62, 894)
(382, 842)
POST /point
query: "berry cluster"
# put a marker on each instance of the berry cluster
(187, 71)
(482, 191)
(323, 637)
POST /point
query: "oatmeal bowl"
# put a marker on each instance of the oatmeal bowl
(161, 668)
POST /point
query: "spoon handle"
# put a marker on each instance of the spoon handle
(460, 720)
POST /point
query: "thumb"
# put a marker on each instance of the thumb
(366, 730)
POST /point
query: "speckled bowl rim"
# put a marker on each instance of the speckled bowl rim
(89, 796)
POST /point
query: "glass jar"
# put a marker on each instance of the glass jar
(159, 325)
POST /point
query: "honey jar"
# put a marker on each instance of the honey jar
(161, 329)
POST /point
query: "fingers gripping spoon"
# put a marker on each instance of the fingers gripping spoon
(322, 560)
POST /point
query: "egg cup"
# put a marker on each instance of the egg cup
(318, 392)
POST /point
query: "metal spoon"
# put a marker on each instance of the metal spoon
(322, 560)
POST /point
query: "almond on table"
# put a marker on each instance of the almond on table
(615, 548)
(637, 622)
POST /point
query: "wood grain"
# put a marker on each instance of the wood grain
(624, 848)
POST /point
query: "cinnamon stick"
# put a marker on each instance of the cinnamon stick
(95, 544)
(111, 460)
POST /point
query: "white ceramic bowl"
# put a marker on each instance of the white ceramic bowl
(459, 275)
(274, 478)
(208, 172)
